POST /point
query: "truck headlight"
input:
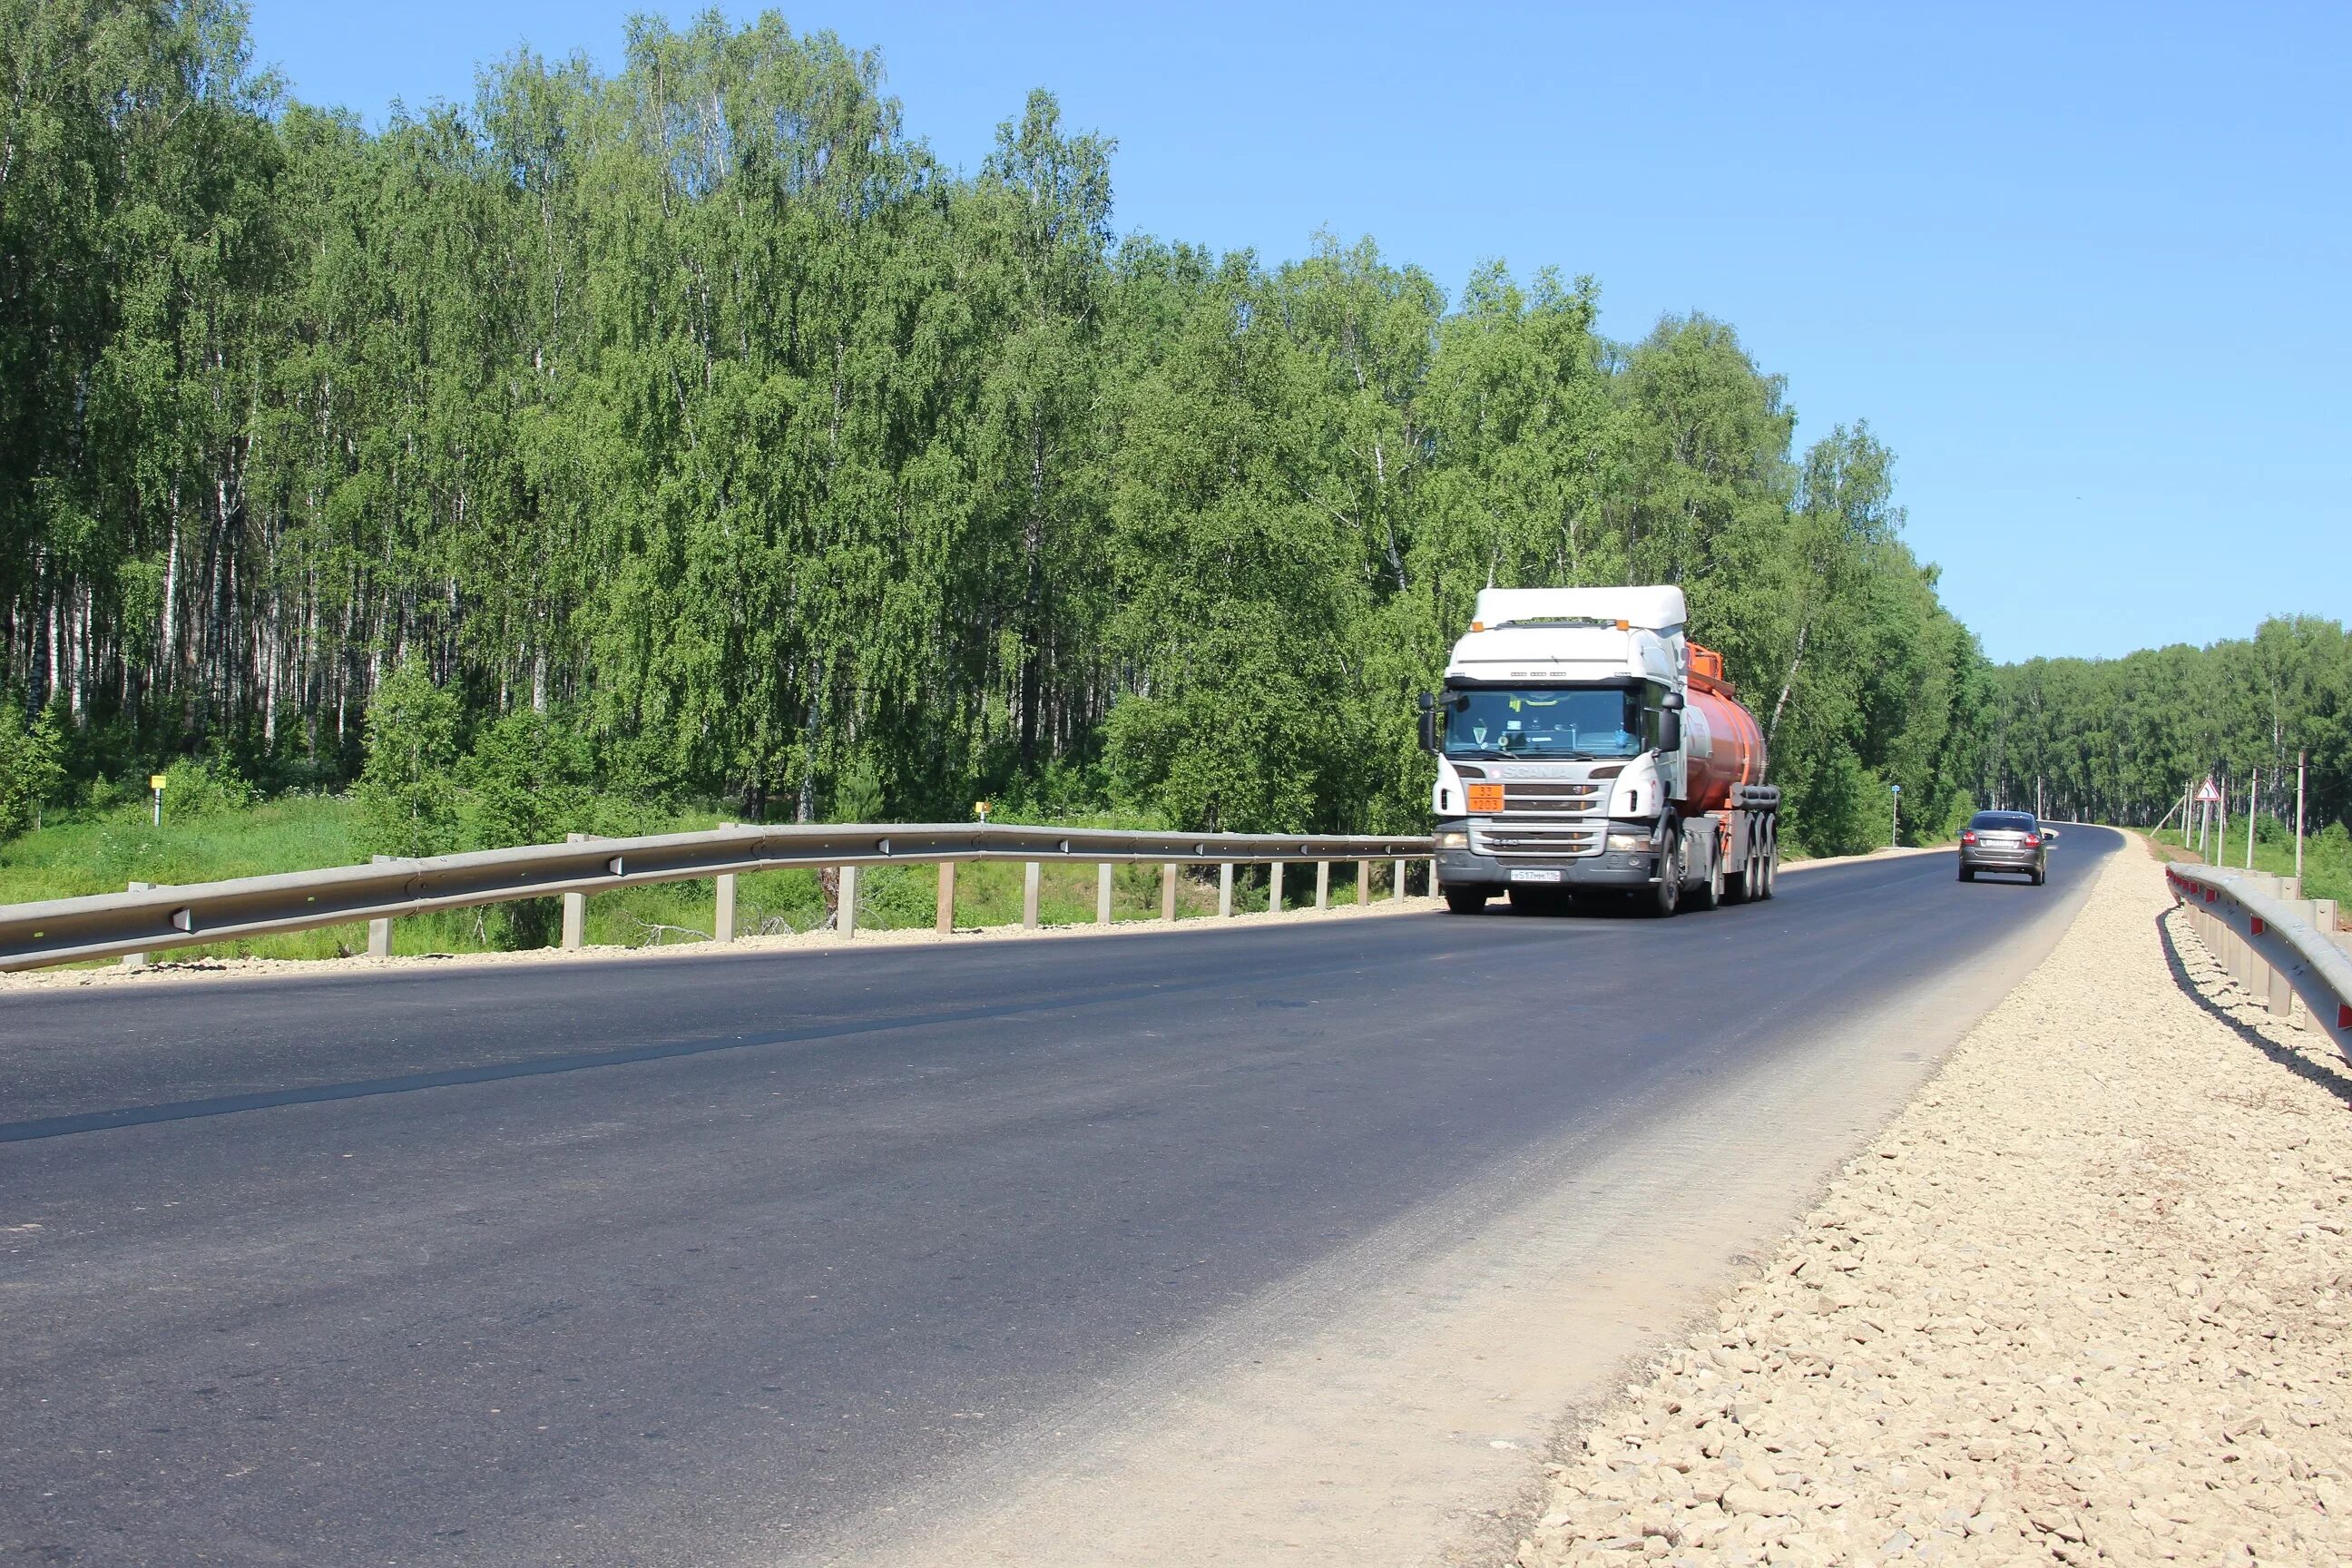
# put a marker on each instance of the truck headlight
(1453, 839)
(1630, 841)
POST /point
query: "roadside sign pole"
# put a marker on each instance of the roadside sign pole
(1894, 835)
(155, 783)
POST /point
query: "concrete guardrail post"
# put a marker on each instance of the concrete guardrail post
(1396, 883)
(1363, 882)
(1102, 894)
(379, 931)
(1168, 892)
(133, 963)
(1030, 874)
(1430, 889)
(1322, 885)
(946, 921)
(722, 903)
(847, 902)
(1273, 888)
(1225, 890)
(575, 909)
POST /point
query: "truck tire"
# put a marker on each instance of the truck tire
(1708, 895)
(1465, 900)
(1661, 900)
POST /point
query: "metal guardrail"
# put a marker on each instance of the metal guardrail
(2276, 947)
(63, 931)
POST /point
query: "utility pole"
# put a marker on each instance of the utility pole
(2302, 773)
(2253, 804)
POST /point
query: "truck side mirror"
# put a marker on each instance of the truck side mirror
(1672, 702)
(1428, 706)
(1670, 729)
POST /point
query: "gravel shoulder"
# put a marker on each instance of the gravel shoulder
(2085, 1300)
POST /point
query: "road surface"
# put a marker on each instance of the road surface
(780, 1258)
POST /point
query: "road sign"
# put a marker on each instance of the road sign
(2207, 794)
(155, 780)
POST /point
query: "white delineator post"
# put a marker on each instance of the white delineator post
(945, 922)
(1102, 894)
(846, 905)
(2253, 804)
(1030, 874)
(1273, 888)
(1322, 886)
(1168, 892)
(2302, 777)
(1225, 890)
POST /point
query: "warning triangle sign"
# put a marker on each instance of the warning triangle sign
(2207, 794)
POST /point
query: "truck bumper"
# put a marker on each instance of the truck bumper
(1618, 869)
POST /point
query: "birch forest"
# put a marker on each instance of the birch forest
(694, 428)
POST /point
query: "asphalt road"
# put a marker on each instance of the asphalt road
(711, 1259)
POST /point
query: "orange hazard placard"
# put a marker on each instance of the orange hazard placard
(1485, 797)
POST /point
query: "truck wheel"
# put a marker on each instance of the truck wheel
(1768, 873)
(1667, 895)
(1465, 900)
(1709, 894)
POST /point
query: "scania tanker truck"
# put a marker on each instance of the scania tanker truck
(1584, 744)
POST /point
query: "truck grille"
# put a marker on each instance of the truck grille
(1551, 795)
(1537, 840)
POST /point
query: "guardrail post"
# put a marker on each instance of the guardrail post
(1168, 892)
(845, 913)
(575, 910)
(133, 963)
(1396, 886)
(1273, 888)
(1363, 881)
(947, 897)
(1429, 891)
(1102, 894)
(722, 911)
(1226, 889)
(1322, 885)
(1030, 874)
(380, 932)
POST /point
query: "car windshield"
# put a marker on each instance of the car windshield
(2002, 822)
(1536, 721)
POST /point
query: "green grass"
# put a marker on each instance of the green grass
(2326, 857)
(103, 852)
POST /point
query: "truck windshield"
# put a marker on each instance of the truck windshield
(1539, 721)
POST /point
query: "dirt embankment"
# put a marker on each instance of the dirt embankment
(2088, 1299)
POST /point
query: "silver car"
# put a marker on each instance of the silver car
(2006, 841)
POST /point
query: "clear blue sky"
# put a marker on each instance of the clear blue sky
(2083, 269)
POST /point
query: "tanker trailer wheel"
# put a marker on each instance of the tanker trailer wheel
(1465, 900)
(1767, 875)
(1663, 900)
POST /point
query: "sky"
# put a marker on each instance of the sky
(2084, 270)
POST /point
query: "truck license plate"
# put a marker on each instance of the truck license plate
(1534, 874)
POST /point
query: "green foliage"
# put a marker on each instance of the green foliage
(31, 767)
(2120, 740)
(407, 792)
(701, 436)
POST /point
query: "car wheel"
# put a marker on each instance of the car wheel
(1966, 875)
(2038, 877)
